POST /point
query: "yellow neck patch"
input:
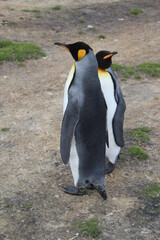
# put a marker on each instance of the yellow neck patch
(103, 74)
(81, 54)
(102, 71)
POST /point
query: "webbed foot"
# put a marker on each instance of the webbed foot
(110, 168)
(74, 190)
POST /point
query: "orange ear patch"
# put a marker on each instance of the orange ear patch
(81, 54)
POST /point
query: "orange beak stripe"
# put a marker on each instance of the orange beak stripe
(108, 56)
(64, 47)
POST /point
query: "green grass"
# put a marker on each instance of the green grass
(11, 51)
(31, 10)
(151, 198)
(5, 129)
(126, 71)
(151, 68)
(123, 158)
(117, 67)
(81, 20)
(57, 7)
(89, 228)
(20, 64)
(38, 16)
(9, 23)
(101, 36)
(5, 43)
(151, 191)
(138, 153)
(50, 89)
(140, 133)
(137, 76)
(136, 11)
(81, 33)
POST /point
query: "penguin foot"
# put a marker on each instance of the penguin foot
(90, 186)
(74, 190)
(110, 168)
(102, 193)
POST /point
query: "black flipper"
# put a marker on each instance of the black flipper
(74, 190)
(70, 119)
(119, 114)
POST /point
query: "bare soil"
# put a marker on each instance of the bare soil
(32, 203)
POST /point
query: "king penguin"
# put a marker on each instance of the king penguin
(82, 141)
(115, 107)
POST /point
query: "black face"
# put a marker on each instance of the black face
(78, 49)
(104, 59)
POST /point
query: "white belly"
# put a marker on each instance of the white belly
(66, 87)
(74, 162)
(108, 91)
(74, 159)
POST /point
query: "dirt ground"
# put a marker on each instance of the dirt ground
(32, 203)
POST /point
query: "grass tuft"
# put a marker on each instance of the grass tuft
(81, 20)
(5, 129)
(126, 71)
(138, 153)
(117, 67)
(9, 23)
(20, 64)
(136, 11)
(151, 197)
(81, 33)
(140, 133)
(151, 191)
(31, 10)
(137, 76)
(150, 68)
(58, 7)
(101, 36)
(11, 51)
(89, 228)
(5, 43)
(122, 158)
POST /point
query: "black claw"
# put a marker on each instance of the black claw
(102, 192)
(110, 168)
(74, 190)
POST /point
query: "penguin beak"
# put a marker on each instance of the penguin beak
(65, 46)
(109, 55)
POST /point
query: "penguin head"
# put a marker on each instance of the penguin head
(78, 50)
(104, 59)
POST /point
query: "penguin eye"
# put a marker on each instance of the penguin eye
(81, 54)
